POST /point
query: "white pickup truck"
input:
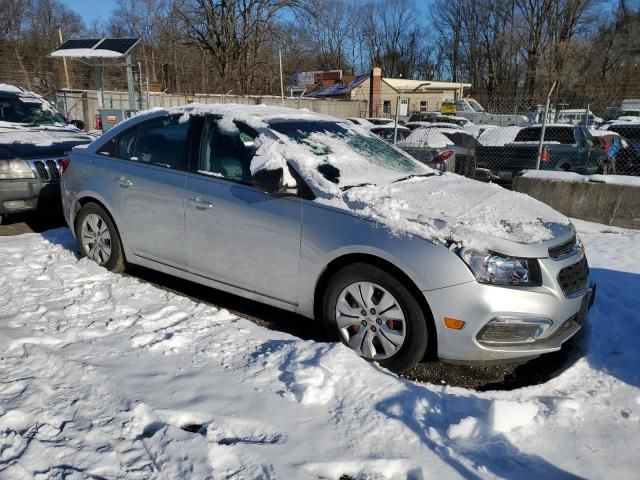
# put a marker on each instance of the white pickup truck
(471, 109)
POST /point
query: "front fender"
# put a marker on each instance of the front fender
(329, 233)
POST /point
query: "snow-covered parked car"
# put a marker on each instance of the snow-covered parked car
(431, 147)
(34, 140)
(317, 216)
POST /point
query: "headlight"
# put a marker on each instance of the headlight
(14, 169)
(489, 267)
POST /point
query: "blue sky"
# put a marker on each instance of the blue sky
(91, 10)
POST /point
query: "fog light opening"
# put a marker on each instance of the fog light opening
(513, 330)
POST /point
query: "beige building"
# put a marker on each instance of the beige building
(382, 93)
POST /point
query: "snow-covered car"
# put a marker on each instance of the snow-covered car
(415, 125)
(34, 140)
(380, 121)
(363, 122)
(320, 217)
(388, 133)
(431, 147)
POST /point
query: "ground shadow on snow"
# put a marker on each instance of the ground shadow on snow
(612, 358)
(430, 415)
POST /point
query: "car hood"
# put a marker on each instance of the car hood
(22, 142)
(450, 209)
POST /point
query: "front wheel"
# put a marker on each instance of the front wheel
(377, 316)
(98, 238)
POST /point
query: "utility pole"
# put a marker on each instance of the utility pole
(64, 61)
(395, 128)
(281, 81)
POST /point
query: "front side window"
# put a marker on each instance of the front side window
(125, 144)
(160, 142)
(226, 150)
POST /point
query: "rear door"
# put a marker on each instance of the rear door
(148, 172)
(239, 234)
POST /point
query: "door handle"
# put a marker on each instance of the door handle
(201, 203)
(124, 182)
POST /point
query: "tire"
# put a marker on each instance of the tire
(375, 335)
(107, 253)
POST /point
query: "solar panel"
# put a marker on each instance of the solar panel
(78, 43)
(120, 45)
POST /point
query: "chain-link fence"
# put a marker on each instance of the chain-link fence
(496, 139)
(83, 105)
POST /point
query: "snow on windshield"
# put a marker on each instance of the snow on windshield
(344, 156)
(28, 110)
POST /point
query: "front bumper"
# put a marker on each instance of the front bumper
(477, 304)
(26, 195)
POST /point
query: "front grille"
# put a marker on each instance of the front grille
(563, 250)
(574, 278)
(47, 169)
(52, 166)
(42, 170)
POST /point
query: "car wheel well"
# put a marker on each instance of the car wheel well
(335, 265)
(84, 201)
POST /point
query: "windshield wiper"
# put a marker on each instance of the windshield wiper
(349, 187)
(414, 176)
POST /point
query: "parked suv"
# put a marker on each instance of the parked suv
(34, 140)
(320, 217)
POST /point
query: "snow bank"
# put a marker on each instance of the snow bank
(624, 180)
(103, 376)
(616, 180)
(556, 175)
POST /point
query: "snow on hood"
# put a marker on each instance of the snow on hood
(449, 208)
(40, 136)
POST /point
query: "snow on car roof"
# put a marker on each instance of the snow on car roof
(255, 116)
(426, 137)
(498, 137)
(603, 133)
(6, 88)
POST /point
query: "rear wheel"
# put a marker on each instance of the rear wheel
(98, 238)
(377, 316)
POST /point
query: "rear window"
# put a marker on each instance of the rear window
(627, 131)
(563, 135)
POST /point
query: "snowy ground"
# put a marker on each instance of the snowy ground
(103, 376)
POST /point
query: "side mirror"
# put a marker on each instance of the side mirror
(78, 124)
(270, 180)
(273, 182)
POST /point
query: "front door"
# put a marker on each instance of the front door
(238, 234)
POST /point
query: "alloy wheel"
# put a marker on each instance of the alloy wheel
(96, 238)
(370, 320)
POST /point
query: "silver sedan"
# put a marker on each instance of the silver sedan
(318, 216)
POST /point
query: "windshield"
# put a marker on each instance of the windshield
(28, 110)
(346, 156)
(476, 106)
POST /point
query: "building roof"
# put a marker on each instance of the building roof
(404, 84)
(399, 84)
(339, 89)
